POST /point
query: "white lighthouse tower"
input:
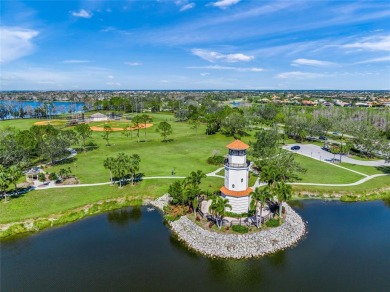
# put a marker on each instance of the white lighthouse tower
(236, 188)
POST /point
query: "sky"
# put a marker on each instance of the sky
(194, 45)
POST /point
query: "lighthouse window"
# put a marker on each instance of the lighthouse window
(242, 180)
(232, 186)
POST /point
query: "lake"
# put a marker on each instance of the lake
(58, 107)
(347, 248)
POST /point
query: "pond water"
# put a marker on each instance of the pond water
(347, 248)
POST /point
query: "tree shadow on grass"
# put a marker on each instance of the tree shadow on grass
(65, 161)
(167, 140)
(384, 169)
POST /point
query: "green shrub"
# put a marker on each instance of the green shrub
(42, 224)
(53, 176)
(215, 160)
(235, 215)
(272, 223)
(240, 229)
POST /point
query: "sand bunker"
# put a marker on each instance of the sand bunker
(101, 129)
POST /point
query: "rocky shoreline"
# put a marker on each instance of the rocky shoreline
(238, 246)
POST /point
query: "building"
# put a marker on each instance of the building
(236, 188)
(98, 117)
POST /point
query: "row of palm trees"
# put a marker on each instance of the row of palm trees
(121, 166)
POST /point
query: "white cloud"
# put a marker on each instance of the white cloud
(217, 67)
(310, 62)
(113, 83)
(75, 61)
(82, 13)
(298, 75)
(187, 6)
(224, 3)
(133, 63)
(15, 43)
(375, 43)
(110, 77)
(375, 60)
(215, 56)
(204, 74)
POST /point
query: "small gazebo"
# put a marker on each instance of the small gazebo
(32, 174)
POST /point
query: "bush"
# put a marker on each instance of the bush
(41, 177)
(53, 176)
(272, 223)
(174, 212)
(215, 160)
(240, 229)
(235, 215)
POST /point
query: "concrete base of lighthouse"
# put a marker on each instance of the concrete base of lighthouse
(239, 200)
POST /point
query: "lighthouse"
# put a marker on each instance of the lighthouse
(236, 188)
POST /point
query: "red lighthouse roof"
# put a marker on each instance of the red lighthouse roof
(237, 145)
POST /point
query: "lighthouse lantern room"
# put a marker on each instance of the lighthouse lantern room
(236, 188)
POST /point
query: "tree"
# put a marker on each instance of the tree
(121, 167)
(4, 180)
(194, 122)
(137, 121)
(176, 191)
(106, 134)
(218, 207)
(14, 173)
(109, 163)
(234, 125)
(83, 132)
(266, 144)
(165, 129)
(281, 167)
(128, 131)
(283, 192)
(134, 161)
(259, 196)
(145, 119)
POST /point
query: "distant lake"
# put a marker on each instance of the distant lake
(347, 248)
(58, 107)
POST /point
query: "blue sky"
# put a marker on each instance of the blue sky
(184, 44)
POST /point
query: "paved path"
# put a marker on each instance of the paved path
(214, 173)
(318, 153)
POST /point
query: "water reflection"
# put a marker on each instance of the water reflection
(277, 259)
(387, 202)
(122, 217)
(297, 204)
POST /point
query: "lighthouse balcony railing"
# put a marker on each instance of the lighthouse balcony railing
(236, 165)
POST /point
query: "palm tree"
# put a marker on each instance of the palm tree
(259, 196)
(218, 208)
(109, 163)
(135, 160)
(283, 192)
(222, 204)
(121, 166)
(137, 120)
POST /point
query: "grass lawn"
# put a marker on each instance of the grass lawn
(369, 170)
(185, 153)
(22, 124)
(321, 172)
(367, 187)
(45, 202)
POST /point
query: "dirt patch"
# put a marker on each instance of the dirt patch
(101, 129)
(51, 122)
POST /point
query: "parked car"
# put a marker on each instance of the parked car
(296, 147)
(335, 133)
(322, 138)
